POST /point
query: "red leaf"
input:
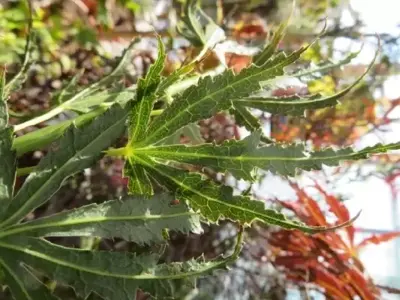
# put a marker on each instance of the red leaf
(249, 31)
(91, 6)
(295, 207)
(237, 62)
(363, 288)
(291, 261)
(316, 216)
(377, 239)
(334, 287)
(335, 206)
(338, 209)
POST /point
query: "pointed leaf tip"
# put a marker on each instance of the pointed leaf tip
(322, 229)
(146, 95)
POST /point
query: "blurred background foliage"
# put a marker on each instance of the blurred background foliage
(83, 37)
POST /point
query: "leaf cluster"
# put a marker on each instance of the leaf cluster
(152, 159)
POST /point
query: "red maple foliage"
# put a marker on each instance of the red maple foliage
(326, 262)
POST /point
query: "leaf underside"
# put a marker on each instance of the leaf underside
(214, 94)
(241, 158)
(8, 164)
(137, 219)
(76, 150)
(150, 158)
(216, 202)
(145, 97)
(113, 275)
(22, 283)
(8, 160)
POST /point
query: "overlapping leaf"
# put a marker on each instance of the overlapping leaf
(271, 48)
(176, 76)
(22, 283)
(191, 131)
(70, 89)
(138, 180)
(196, 26)
(8, 166)
(297, 105)
(136, 219)
(145, 97)
(80, 97)
(241, 157)
(19, 78)
(8, 161)
(76, 150)
(3, 104)
(244, 117)
(322, 69)
(43, 137)
(86, 104)
(111, 78)
(190, 25)
(213, 94)
(113, 275)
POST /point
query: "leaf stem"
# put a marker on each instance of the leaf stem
(156, 112)
(173, 89)
(44, 136)
(124, 151)
(104, 82)
(218, 264)
(25, 171)
(239, 242)
(40, 119)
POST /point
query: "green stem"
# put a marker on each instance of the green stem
(239, 242)
(327, 67)
(40, 119)
(110, 152)
(17, 114)
(104, 82)
(25, 171)
(156, 112)
(118, 152)
(174, 89)
(42, 137)
(59, 109)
